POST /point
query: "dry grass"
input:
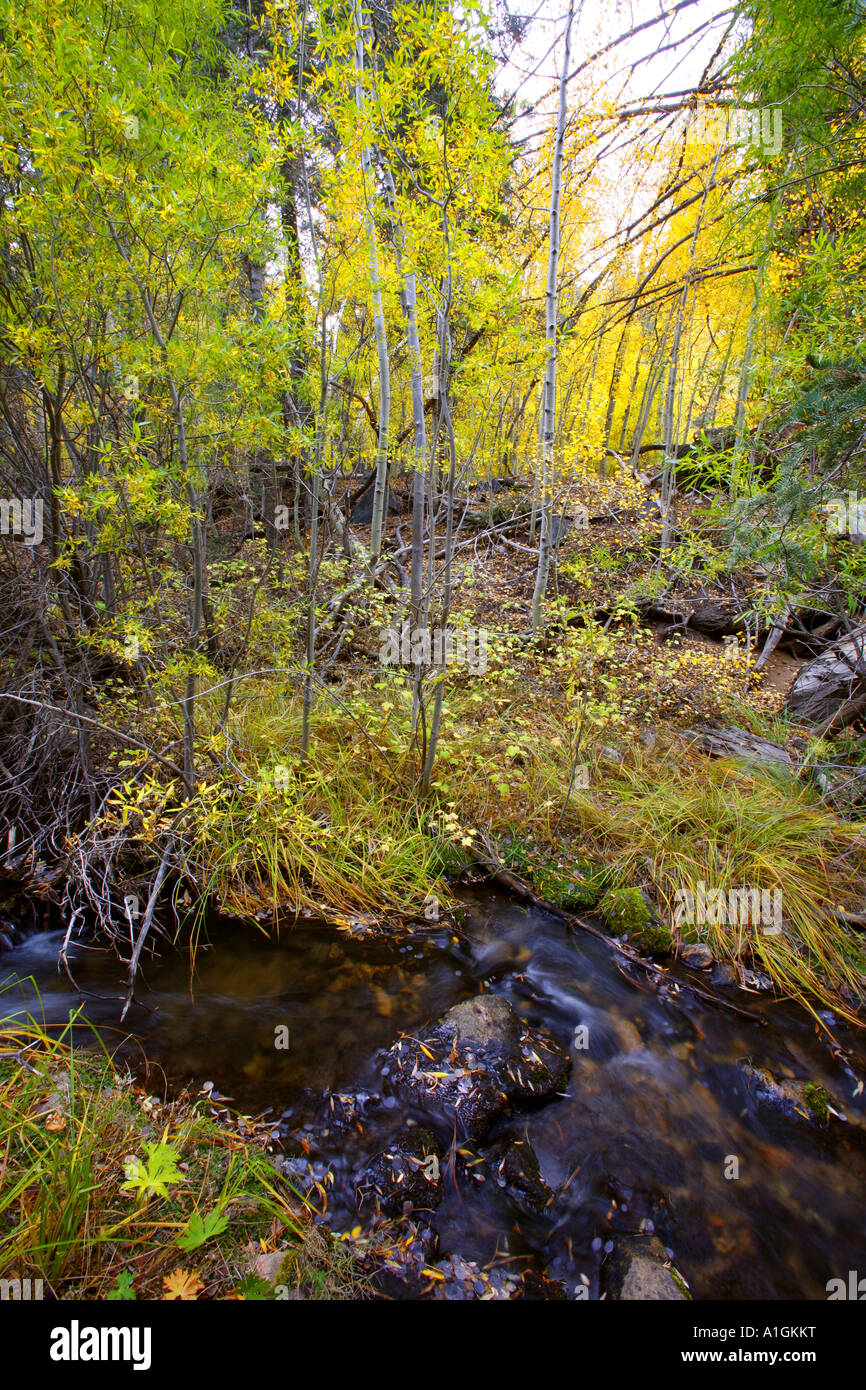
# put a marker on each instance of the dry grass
(70, 1123)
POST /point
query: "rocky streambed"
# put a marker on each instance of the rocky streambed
(512, 1111)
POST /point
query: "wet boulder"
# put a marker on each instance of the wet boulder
(638, 1271)
(513, 1166)
(755, 1094)
(796, 1100)
(473, 1063)
(697, 955)
(407, 1176)
(724, 974)
(487, 1024)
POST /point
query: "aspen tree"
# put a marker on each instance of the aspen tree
(549, 396)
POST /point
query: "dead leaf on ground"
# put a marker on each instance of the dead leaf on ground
(183, 1284)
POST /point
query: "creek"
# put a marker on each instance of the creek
(657, 1102)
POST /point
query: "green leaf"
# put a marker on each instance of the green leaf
(153, 1177)
(124, 1289)
(198, 1230)
(254, 1289)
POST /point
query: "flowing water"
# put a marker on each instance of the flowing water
(656, 1108)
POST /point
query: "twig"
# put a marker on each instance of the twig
(145, 925)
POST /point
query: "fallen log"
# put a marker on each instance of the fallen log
(831, 684)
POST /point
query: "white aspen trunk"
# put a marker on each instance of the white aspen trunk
(416, 572)
(410, 315)
(655, 372)
(549, 400)
(536, 475)
(380, 493)
(668, 476)
(443, 367)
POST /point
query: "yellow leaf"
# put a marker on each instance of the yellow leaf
(183, 1284)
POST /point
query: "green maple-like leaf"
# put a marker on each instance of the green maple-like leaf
(198, 1230)
(152, 1179)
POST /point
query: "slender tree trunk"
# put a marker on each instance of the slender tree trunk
(549, 404)
(669, 472)
(444, 363)
(380, 493)
(409, 304)
(611, 399)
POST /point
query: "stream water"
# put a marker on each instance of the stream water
(656, 1106)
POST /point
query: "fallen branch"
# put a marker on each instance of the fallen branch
(776, 633)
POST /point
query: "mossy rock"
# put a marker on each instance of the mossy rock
(576, 886)
(654, 939)
(817, 1102)
(625, 912)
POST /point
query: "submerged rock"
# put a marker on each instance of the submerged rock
(474, 1062)
(407, 1176)
(514, 1167)
(800, 1100)
(755, 1094)
(724, 974)
(697, 955)
(638, 1271)
(498, 958)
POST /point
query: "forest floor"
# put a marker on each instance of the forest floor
(584, 745)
